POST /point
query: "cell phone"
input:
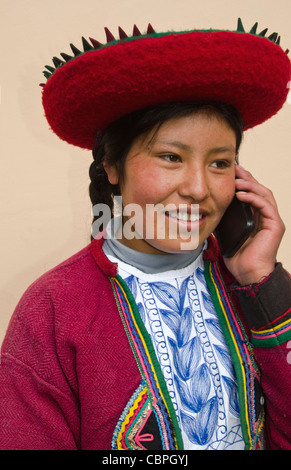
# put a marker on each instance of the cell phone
(235, 227)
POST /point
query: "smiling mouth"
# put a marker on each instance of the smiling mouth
(184, 216)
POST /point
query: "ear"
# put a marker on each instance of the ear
(112, 173)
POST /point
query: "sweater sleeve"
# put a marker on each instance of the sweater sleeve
(267, 309)
(38, 410)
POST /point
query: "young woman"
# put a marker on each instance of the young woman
(149, 342)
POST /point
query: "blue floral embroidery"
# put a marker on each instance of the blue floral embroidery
(191, 349)
(200, 430)
(233, 395)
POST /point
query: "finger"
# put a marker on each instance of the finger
(242, 173)
(269, 215)
(256, 188)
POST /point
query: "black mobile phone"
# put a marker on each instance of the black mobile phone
(235, 227)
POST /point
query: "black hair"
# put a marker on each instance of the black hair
(121, 134)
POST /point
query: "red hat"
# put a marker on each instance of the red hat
(102, 83)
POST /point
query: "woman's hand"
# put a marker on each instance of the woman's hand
(256, 258)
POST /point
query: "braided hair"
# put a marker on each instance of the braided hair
(120, 135)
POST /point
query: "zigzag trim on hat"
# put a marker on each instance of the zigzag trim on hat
(274, 37)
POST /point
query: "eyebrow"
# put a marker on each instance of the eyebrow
(186, 147)
(231, 148)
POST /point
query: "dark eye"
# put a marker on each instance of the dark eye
(171, 157)
(221, 164)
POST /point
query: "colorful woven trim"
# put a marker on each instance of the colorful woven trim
(273, 335)
(148, 422)
(247, 373)
(130, 432)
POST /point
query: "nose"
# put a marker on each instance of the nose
(194, 184)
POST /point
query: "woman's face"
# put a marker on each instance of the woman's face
(188, 161)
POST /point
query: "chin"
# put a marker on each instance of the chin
(174, 246)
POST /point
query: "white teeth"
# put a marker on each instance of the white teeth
(184, 216)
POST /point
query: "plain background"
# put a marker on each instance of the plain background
(44, 204)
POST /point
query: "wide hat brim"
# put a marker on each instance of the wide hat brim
(102, 84)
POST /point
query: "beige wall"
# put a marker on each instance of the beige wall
(44, 204)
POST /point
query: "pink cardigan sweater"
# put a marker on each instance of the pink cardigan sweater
(68, 369)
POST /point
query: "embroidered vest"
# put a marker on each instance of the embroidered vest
(148, 422)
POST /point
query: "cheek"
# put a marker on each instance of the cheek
(145, 186)
(224, 193)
